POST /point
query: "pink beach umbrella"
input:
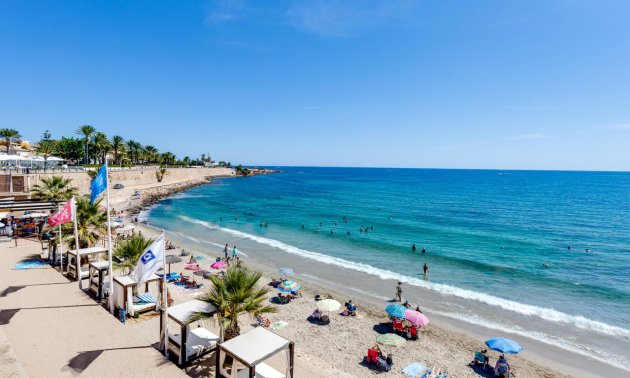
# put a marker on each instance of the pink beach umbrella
(218, 265)
(416, 318)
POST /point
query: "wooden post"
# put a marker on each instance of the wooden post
(217, 367)
(252, 371)
(183, 352)
(291, 357)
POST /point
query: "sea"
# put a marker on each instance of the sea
(539, 255)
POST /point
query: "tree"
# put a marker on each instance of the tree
(46, 147)
(150, 154)
(118, 147)
(69, 148)
(91, 224)
(160, 173)
(101, 146)
(55, 189)
(238, 293)
(9, 136)
(134, 150)
(86, 132)
(186, 161)
(168, 158)
(129, 251)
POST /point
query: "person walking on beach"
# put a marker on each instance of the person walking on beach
(425, 269)
(399, 292)
(225, 251)
(234, 252)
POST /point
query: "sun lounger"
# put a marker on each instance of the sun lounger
(191, 266)
(262, 371)
(144, 302)
(198, 341)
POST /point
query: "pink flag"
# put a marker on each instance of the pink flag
(64, 215)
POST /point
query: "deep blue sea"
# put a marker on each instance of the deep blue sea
(552, 247)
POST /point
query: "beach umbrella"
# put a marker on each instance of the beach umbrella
(414, 369)
(396, 310)
(504, 345)
(172, 259)
(218, 265)
(286, 271)
(328, 305)
(390, 339)
(416, 318)
(288, 286)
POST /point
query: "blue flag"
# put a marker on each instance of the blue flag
(99, 184)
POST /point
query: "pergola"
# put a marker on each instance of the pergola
(189, 343)
(250, 350)
(74, 267)
(123, 293)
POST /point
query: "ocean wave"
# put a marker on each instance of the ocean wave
(547, 314)
(614, 360)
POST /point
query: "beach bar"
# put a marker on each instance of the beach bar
(124, 297)
(189, 343)
(250, 350)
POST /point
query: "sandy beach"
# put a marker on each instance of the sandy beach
(44, 342)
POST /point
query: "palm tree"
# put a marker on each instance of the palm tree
(118, 147)
(46, 147)
(150, 154)
(129, 251)
(70, 148)
(236, 294)
(86, 132)
(102, 146)
(134, 149)
(9, 136)
(55, 188)
(91, 224)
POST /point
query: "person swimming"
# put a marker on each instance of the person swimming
(414, 248)
(424, 250)
(302, 227)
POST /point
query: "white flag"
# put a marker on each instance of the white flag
(151, 260)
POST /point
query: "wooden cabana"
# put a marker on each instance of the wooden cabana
(250, 350)
(125, 294)
(77, 266)
(97, 272)
(189, 343)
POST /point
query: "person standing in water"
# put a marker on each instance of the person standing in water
(399, 292)
(413, 248)
(425, 269)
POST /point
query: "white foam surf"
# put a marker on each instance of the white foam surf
(547, 314)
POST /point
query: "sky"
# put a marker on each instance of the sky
(375, 83)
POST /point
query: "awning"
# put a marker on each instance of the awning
(183, 311)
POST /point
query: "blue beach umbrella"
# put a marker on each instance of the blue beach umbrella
(288, 286)
(504, 345)
(396, 310)
(286, 271)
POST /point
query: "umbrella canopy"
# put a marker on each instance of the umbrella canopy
(414, 369)
(218, 265)
(288, 286)
(390, 339)
(504, 345)
(286, 271)
(328, 305)
(172, 259)
(396, 310)
(416, 318)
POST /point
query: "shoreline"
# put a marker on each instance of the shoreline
(543, 354)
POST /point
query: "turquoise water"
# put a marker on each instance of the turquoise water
(495, 237)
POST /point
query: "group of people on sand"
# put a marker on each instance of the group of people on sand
(233, 258)
(501, 369)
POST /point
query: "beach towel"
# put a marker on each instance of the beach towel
(145, 298)
(278, 325)
(36, 264)
(414, 369)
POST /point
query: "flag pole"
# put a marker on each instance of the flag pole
(110, 272)
(60, 247)
(165, 296)
(76, 241)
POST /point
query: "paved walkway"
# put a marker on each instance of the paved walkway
(49, 328)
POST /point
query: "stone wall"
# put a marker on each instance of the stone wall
(136, 177)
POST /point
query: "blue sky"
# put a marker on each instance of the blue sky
(396, 83)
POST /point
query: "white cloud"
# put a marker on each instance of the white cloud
(345, 18)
